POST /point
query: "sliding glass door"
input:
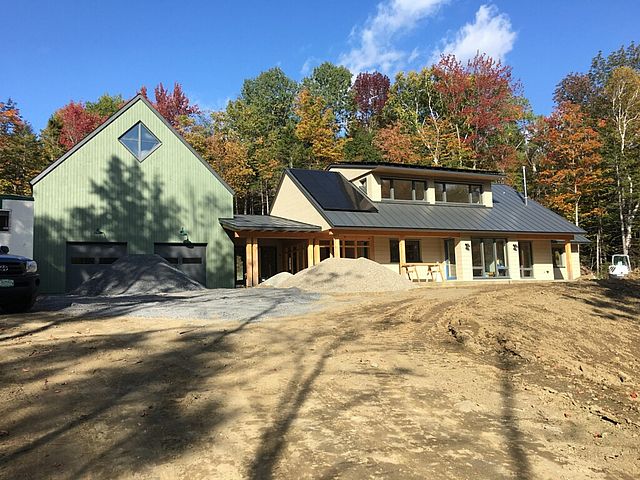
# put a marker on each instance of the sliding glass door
(526, 259)
(450, 258)
(489, 257)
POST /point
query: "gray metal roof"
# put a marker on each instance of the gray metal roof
(268, 223)
(508, 214)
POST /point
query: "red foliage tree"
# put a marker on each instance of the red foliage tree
(174, 105)
(370, 92)
(76, 123)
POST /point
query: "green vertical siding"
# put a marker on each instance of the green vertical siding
(102, 185)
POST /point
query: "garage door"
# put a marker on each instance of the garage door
(85, 259)
(190, 258)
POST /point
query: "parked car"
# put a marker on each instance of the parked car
(19, 282)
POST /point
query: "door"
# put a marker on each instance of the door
(450, 258)
(85, 259)
(190, 258)
(268, 262)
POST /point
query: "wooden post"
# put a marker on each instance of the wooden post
(403, 253)
(568, 259)
(310, 257)
(316, 252)
(254, 261)
(336, 247)
(248, 263)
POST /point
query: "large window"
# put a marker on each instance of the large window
(458, 193)
(4, 220)
(526, 259)
(354, 248)
(140, 141)
(489, 258)
(401, 189)
(411, 247)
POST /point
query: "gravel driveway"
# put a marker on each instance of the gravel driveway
(224, 304)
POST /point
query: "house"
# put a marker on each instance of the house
(16, 224)
(133, 185)
(429, 223)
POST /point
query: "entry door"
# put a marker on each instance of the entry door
(450, 258)
(268, 262)
(190, 258)
(84, 259)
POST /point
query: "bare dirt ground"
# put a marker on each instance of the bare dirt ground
(518, 381)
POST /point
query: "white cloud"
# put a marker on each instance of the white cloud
(373, 43)
(490, 33)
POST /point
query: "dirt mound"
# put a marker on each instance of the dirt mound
(138, 274)
(276, 280)
(343, 275)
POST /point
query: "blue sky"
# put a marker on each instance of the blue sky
(54, 52)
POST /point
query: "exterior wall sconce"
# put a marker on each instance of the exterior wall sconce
(184, 234)
(467, 246)
(98, 233)
(515, 247)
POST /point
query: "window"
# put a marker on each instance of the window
(140, 141)
(4, 220)
(458, 193)
(526, 259)
(403, 189)
(325, 249)
(412, 251)
(354, 248)
(489, 258)
(557, 255)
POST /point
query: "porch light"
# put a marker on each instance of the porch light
(515, 247)
(183, 233)
(467, 246)
(98, 232)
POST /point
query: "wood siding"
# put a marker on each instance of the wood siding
(103, 186)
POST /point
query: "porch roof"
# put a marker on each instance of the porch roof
(268, 223)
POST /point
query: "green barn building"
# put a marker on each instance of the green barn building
(133, 185)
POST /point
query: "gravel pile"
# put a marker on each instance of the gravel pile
(343, 275)
(136, 275)
(276, 280)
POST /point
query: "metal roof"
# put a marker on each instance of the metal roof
(268, 223)
(376, 165)
(508, 214)
(110, 120)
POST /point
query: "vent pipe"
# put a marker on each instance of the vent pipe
(524, 182)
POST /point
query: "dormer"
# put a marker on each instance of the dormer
(386, 182)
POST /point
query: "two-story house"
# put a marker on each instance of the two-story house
(429, 223)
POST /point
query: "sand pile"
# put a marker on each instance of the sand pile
(343, 275)
(276, 280)
(136, 275)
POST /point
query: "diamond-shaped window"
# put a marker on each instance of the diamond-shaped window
(140, 141)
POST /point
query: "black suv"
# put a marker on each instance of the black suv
(19, 282)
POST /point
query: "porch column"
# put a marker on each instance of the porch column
(316, 252)
(310, 257)
(403, 253)
(336, 247)
(254, 261)
(249, 262)
(568, 259)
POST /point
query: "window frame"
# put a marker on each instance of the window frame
(530, 269)
(469, 186)
(8, 215)
(137, 155)
(413, 181)
(394, 250)
(494, 250)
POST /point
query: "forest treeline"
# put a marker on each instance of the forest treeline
(583, 160)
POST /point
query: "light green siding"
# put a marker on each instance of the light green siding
(103, 186)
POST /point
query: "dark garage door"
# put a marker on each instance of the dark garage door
(190, 258)
(85, 259)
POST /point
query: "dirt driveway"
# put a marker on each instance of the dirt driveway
(521, 381)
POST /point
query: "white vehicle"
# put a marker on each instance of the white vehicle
(620, 266)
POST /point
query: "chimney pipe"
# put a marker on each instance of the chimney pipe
(524, 182)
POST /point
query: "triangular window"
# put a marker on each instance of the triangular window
(140, 141)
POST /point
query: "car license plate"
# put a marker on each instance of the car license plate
(6, 283)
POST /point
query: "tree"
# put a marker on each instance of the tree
(332, 83)
(576, 88)
(174, 105)
(317, 130)
(571, 168)
(106, 105)
(397, 145)
(370, 93)
(77, 123)
(623, 94)
(20, 151)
